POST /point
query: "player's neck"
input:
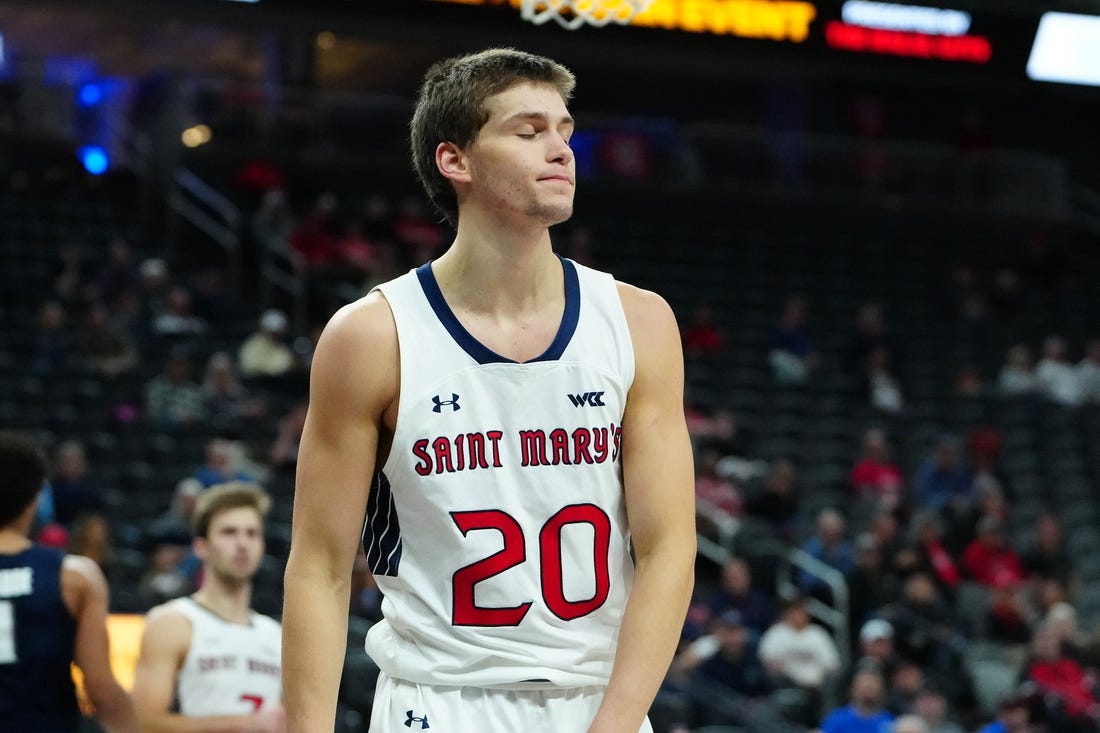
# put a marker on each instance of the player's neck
(231, 602)
(13, 540)
(496, 269)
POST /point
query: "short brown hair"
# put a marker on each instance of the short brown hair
(220, 498)
(23, 466)
(451, 107)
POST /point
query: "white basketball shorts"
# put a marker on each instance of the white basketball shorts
(401, 706)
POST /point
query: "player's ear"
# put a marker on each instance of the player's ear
(452, 162)
(199, 546)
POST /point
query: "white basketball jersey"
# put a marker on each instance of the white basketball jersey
(497, 528)
(231, 668)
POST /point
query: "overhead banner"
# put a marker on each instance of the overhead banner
(1066, 49)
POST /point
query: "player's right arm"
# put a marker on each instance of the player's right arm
(86, 596)
(164, 644)
(353, 381)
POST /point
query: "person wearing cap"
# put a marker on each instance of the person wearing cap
(265, 353)
(723, 660)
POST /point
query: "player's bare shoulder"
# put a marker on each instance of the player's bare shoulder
(357, 354)
(650, 319)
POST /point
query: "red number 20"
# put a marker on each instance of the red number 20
(467, 613)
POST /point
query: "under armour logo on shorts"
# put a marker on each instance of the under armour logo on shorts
(452, 403)
(413, 719)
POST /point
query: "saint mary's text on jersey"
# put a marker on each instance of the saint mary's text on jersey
(535, 447)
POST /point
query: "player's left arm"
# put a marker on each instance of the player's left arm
(659, 483)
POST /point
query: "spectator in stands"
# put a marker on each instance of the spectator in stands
(91, 537)
(737, 593)
(990, 560)
(70, 282)
(217, 301)
(870, 585)
(172, 398)
(926, 553)
(702, 338)
(865, 712)
(101, 347)
(985, 443)
(930, 707)
(273, 222)
(163, 580)
(714, 491)
(416, 232)
(876, 647)
(883, 386)
(265, 353)
(1071, 705)
(1017, 376)
(173, 527)
(943, 481)
(357, 253)
(222, 465)
(1088, 372)
(52, 344)
(969, 381)
(875, 473)
(118, 274)
(314, 239)
(903, 687)
(777, 503)
(178, 321)
(724, 660)
(224, 397)
(912, 724)
(872, 335)
(989, 501)
(1013, 716)
(793, 357)
(1047, 556)
(925, 634)
(1061, 620)
(75, 493)
(154, 283)
(1057, 378)
(800, 655)
(831, 546)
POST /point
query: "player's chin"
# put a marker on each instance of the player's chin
(553, 213)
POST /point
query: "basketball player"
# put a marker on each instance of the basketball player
(209, 662)
(53, 612)
(518, 409)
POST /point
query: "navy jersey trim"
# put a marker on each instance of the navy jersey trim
(478, 351)
(382, 531)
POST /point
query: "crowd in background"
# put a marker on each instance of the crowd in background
(930, 568)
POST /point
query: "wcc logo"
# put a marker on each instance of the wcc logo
(452, 403)
(590, 399)
(413, 719)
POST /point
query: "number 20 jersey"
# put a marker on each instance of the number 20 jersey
(497, 527)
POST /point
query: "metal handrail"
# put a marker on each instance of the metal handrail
(283, 268)
(835, 616)
(201, 205)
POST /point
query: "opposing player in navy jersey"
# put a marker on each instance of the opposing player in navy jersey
(522, 419)
(208, 662)
(53, 612)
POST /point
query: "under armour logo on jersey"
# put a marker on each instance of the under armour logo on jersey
(592, 399)
(452, 403)
(413, 719)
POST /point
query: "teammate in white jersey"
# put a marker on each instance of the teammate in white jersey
(209, 662)
(522, 417)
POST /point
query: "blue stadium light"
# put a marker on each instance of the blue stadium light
(95, 159)
(90, 94)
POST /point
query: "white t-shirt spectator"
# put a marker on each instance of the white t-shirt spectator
(1088, 377)
(1059, 381)
(807, 656)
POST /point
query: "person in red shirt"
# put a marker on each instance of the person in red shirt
(1063, 679)
(990, 560)
(875, 474)
(701, 337)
